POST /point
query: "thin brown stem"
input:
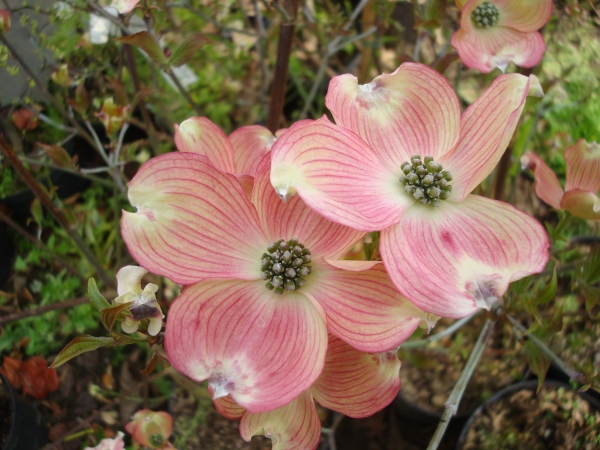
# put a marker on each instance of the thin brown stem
(43, 309)
(280, 75)
(45, 199)
(47, 94)
(39, 244)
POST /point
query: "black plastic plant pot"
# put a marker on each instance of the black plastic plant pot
(417, 425)
(492, 409)
(25, 426)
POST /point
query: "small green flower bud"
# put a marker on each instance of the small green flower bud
(435, 203)
(300, 282)
(434, 192)
(283, 246)
(407, 169)
(297, 262)
(404, 181)
(423, 201)
(418, 194)
(272, 247)
(277, 281)
(269, 286)
(278, 290)
(286, 257)
(297, 251)
(442, 183)
(306, 252)
(444, 195)
(293, 242)
(265, 275)
(265, 264)
(309, 269)
(409, 189)
(303, 271)
(276, 256)
(434, 167)
(277, 268)
(290, 286)
(427, 160)
(412, 177)
(405, 164)
(447, 175)
(428, 180)
(306, 259)
(421, 171)
(290, 273)
(448, 188)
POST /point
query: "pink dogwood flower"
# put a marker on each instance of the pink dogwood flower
(582, 186)
(354, 383)
(495, 32)
(263, 281)
(402, 160)
(110, 444)
(124, 6)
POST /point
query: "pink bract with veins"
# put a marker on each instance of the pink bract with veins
(448, 259)
(494, 33)
(195, 225)
(580, 196)
(353, 383)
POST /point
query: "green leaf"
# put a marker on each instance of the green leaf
(147, 43)
(58, 155)
(82, 98)
(36, 211)
(96, 298)
(187, 49)
(590, 268)
(109, 315)
(521, 286)
(592, 298)
(551, 328)
(123, 339)
(538, 361)
(549, 292)
(79, 345)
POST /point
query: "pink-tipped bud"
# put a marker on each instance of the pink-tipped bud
(112, 115)
(151, 429)
(4, 20)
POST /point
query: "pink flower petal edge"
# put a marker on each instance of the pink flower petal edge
(192, 221)
(364, 308)
(547, 186)
(337, 174)
(412, 110)
(487, 49)
(581, 204)
(294, 218)
(354, 383)
(248, 342)
(583, 167)
(250, 144)
(460, 257)
(291, 427)
(487, 127)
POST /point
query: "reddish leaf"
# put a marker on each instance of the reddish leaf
(57, 154)
(187, 49)
(147, 43)
(38, 380)
(109, 315)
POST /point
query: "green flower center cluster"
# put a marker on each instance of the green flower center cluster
(157, 440)
(485, 15)
(426, 181)
(285, 266)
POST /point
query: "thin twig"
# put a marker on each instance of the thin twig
(184, 92)
(15, 54)
(45, 199)
(442, 334)
(93, 178)
(460, 386)
(572, 373)
(43, 309)
(332, 48)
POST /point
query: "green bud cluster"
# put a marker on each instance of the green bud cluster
(426, 180)
(157, 440)
(485, 15)
(285, 266)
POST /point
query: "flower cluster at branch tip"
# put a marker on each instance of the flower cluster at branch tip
(143, 302)
(485, 15)
(285, 265)
(196, 225)
(494, 33)
(582, 186)
(426, 180)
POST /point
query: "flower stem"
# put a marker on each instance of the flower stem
(442, 334)
(460, 386)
